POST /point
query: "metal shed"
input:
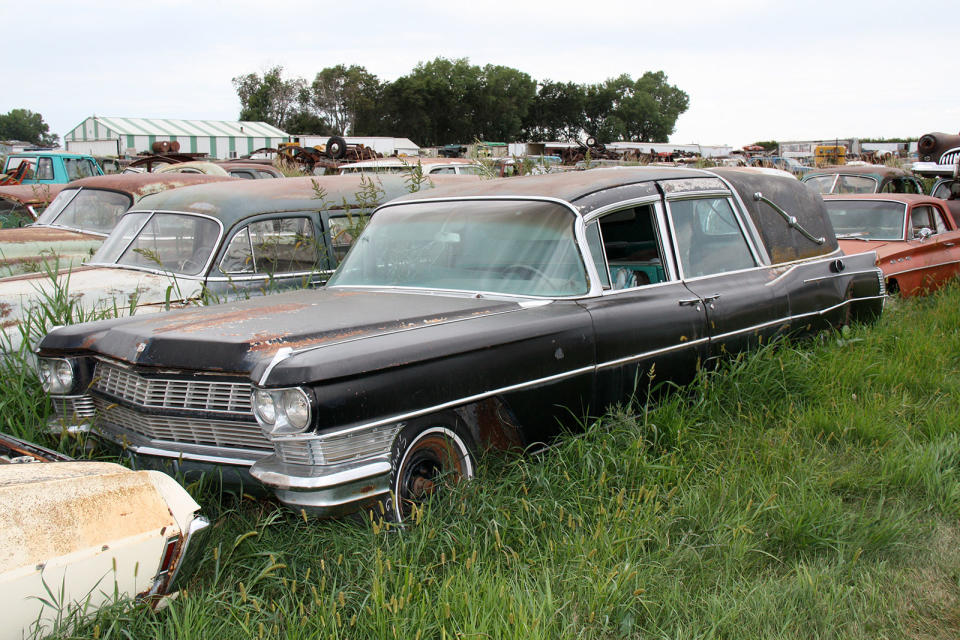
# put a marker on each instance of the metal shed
(109, 136)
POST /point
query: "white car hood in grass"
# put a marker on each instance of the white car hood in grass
(95, 293)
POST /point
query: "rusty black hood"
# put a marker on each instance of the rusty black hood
(234, 337)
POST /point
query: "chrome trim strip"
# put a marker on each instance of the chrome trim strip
(932, 266)
(592, 368)
(352, 473)
(841, 275)
(648, 354)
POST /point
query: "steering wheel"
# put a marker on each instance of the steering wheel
(518, 266)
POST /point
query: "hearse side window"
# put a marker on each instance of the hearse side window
(268, 247)
(630, 245)
(709, 239)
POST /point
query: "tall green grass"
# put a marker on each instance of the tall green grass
(809, 490)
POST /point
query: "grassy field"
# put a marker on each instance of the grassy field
(811, 490)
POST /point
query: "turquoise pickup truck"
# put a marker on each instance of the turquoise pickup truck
(51, 167)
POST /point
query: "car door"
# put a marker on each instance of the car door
(644, 333)
(935, 254)
(722, 271)
(271, 252)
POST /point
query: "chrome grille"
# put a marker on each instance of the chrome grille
(170, 393)
(320, 450)
(70, 407)
(950, 157)
(201, 431)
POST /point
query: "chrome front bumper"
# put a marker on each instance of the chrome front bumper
(327, 490)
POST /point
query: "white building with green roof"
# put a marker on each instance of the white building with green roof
(103, 136)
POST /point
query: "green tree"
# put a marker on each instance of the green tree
(305, 121)
(26, 125)
(339, 94)
(768, 145)
(269, 98)
(557, 112)
(504, 98)
(642, 110)
(436, 102)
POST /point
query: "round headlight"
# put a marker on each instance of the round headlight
(264, 406)
(296, 406)
(46, 372)
(56, 375)
(64, 375)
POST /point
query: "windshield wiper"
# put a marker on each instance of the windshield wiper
(852, 236)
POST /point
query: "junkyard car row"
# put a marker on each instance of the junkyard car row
(481, 314)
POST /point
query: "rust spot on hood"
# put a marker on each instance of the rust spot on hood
(199, 320)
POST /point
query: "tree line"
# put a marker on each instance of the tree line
(447, 101)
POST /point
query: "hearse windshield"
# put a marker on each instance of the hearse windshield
(495, 246)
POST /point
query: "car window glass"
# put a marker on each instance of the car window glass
(920, 219)
(510, 246)
(938, 221)
(238, 258)
(855, 184)
(440, 170)
(596, 251)
(242, 173)
(909, 186)
(708, 238)
(119, 238)
(471, 170)
(867, 219)
(823, 184)
(631, 247)
(94, 210)
(45, 169)
(283, 245)
(942, 191)
(264, 174)
(342, 231)
(173, 242)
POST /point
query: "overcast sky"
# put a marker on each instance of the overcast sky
(754, 70)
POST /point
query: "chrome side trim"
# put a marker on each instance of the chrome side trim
(932, 266)
(590, 369)
(840, 275)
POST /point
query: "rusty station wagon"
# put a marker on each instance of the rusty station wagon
(78, 219)
(487, 314)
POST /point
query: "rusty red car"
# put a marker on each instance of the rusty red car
(915, 237)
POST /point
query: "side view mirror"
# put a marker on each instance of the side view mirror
(922, 233)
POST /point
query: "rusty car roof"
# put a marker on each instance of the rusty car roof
(31, 193)
(140, 185)
(568, 186)
(880, 170)
(240, 198)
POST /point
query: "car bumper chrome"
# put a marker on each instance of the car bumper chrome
(327, 490)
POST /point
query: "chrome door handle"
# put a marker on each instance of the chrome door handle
(689, 302)
(715, 296)
(949, 244)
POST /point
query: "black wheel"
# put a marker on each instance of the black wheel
(591, 141)
(336, 147)
(427, 455)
